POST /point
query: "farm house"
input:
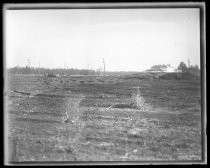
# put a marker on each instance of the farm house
(162, 68)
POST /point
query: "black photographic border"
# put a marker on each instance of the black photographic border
(145, 5)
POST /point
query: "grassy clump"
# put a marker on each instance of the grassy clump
(138, 99)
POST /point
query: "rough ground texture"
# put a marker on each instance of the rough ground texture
(93, 119)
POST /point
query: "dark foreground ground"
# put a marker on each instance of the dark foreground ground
(95, 119)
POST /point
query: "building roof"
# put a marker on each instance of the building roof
(160, 68)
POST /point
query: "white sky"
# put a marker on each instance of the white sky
(128, 39)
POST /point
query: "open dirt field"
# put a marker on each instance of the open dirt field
(95, 119)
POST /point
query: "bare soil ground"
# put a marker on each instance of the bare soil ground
(89, 119)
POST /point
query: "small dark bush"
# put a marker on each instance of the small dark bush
(131, 105)
(190, 76)
(170, 76)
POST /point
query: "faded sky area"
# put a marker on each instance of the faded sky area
(128, 39)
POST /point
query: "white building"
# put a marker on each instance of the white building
(162, 68)
(170, 69)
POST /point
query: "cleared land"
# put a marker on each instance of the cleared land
(92, 119)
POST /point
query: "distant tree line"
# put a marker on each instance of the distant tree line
(183, 67)
(43, 71)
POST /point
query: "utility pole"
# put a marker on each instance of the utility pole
(88, 68)
(64, 68)
(28, 62)
(28, 65)
(104, 66)
(39, 68)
